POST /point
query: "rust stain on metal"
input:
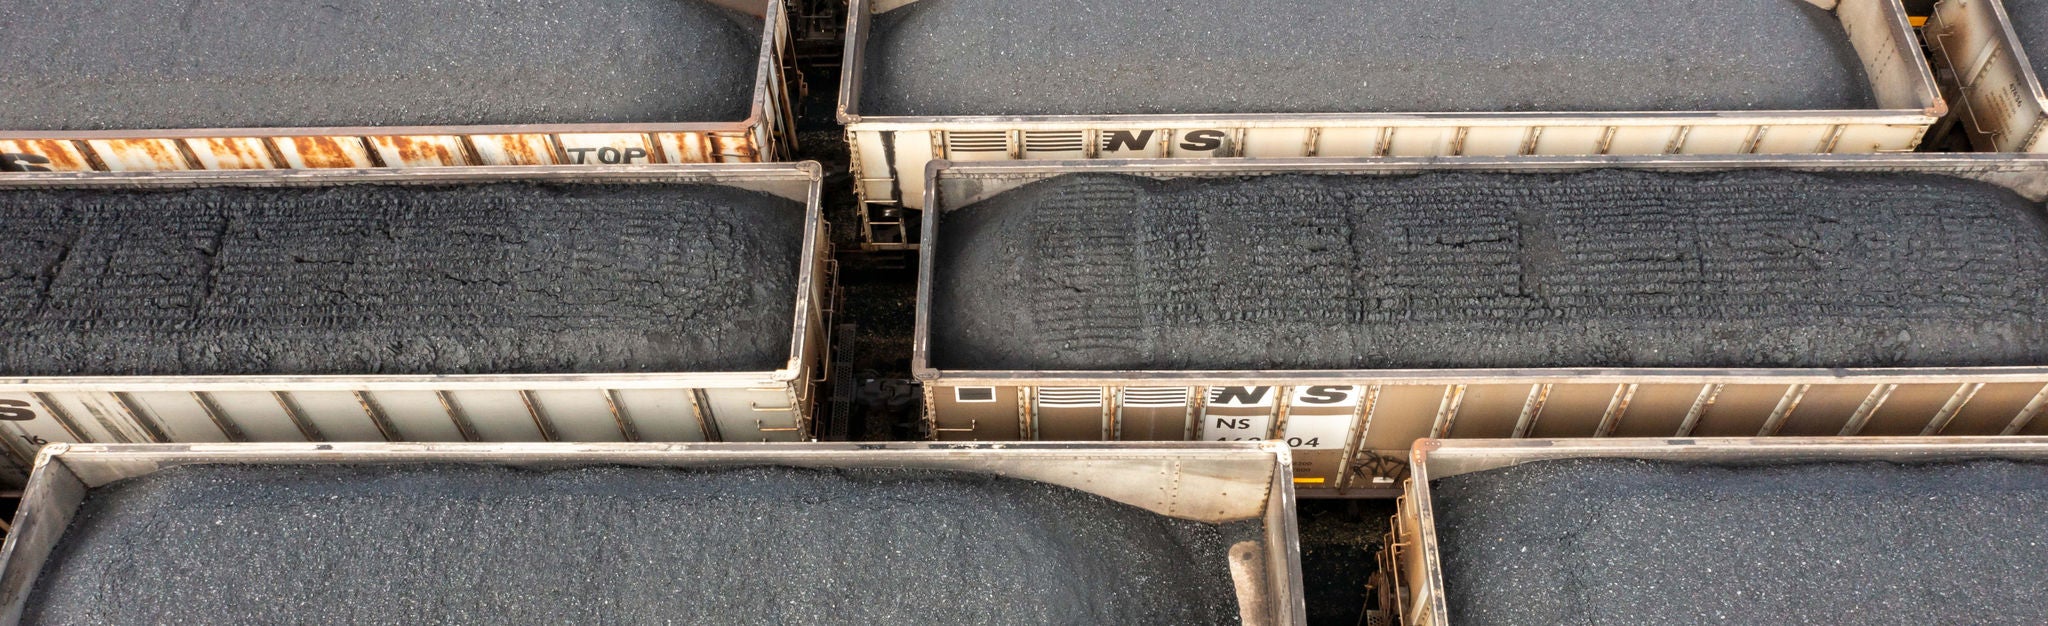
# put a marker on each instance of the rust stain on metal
(657, 153)
(414, 151)
(317, 152)
(140, 154)
(231, 153)
(680, 149)
(36, 155)
(518, 149)
(702, 149)
(735, 148)
(707, 144)
(710, 147)
(161, 152)
(421, 151)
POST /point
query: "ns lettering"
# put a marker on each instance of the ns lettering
(1191, 141)
(1317, 395)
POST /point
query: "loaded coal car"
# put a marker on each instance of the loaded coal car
(1350, 308)
(1909, 530)
(633, 303)
(114, 85)
(627, 533)
(1984, 47)
(981, 80)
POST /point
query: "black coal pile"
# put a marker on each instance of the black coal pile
(2030, 20)
(1614, 542)
(1102, 57)
(1445, 270)
(454, 544)
(506, 278)
(114, 64)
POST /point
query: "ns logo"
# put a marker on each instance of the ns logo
(1190, 141)
(1316, 395)
(1227, 417)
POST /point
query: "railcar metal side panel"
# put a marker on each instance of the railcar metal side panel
(1353, 436)
(2002, 103)
(890, 152)
(770, 406)
(1350, 429)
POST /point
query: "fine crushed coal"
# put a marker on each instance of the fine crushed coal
(117, 64)
(2030, 20)
(1609, 268)
(454, 544)
(1613, 542)
(501, 278)
(1106, 57)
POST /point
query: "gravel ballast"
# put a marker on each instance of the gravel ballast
(449, 544)
(501, 278)
(1107, 57)
(121, 64)
(1628, 542)
(1445, 270)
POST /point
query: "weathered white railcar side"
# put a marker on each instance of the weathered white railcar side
(1350, 429)
(679, 406)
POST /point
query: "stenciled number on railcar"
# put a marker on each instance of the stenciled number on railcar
(20, 411)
